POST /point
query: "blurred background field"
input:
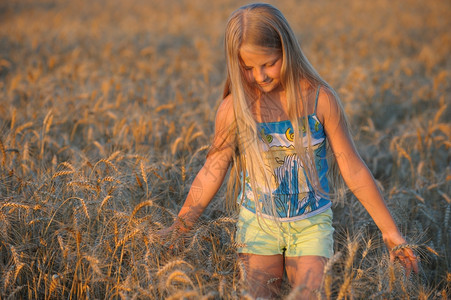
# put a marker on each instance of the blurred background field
(106, 114)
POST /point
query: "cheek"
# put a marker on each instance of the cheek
(274, 73)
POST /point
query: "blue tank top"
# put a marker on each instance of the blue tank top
(294, 196)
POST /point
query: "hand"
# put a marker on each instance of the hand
(173, 236)
(166, 233)
(399, 249)
(179, 227)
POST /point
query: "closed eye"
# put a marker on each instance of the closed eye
(272, 63)
(267, 65)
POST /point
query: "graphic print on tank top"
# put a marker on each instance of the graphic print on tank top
(294, 195)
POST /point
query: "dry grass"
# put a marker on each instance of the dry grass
(106, 113)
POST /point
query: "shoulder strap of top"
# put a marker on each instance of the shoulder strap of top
(316, 99)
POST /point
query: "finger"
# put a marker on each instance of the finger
(412, 258)
(407, 265)
(415, 266)
(398, 255)
(408, 252)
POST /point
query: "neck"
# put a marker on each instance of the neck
(270, 107)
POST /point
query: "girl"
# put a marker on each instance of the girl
(273, 126)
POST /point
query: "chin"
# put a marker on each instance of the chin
(269, 88)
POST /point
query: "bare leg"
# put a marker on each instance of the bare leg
(263, 274)
(306, 272)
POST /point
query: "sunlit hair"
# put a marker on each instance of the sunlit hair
(264, 27)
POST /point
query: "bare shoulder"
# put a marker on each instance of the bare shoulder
(225, 133)
(328, 107)
(225, 115)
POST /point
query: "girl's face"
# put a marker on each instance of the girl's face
(262, 67)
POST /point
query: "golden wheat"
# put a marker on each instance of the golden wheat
(107, 111)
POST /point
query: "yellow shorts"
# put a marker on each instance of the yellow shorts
(311, 236)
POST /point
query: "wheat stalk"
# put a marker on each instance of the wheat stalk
(172, 264)
(144, 177)
(61, 173)
(53, 284)
(179, 277)
(2, 150)
(45, 129)
(16, 290)
(14, 205)
(18, 130)
(128, 237)
(94, 263)
(175, 145)
(104, 201)
(328, 274)
(106, 162)
(141, 205)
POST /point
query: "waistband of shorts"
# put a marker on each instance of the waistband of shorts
(326, 208)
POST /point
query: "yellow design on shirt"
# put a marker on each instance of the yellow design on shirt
(289, 135)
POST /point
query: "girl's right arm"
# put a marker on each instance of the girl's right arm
(210, 177)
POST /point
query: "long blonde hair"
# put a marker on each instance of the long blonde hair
(264, 26)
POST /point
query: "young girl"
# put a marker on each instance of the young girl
(273, 126)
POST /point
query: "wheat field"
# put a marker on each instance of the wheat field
(106, 115)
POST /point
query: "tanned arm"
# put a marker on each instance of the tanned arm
(359, 178)
(211, 176)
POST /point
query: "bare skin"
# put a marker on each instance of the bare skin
(264, 274)
(211, 176)
(360, 180)
(306, 272)
(263, 70)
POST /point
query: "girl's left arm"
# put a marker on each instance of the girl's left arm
(359, 178)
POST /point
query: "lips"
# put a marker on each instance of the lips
(264, 83)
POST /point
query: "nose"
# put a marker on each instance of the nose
(259, 75)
